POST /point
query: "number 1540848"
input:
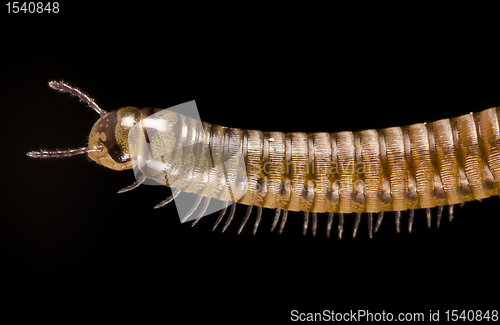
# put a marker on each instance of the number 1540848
(32, 7)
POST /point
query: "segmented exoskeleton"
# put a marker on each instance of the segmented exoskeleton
(420, 166)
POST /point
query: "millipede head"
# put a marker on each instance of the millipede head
(111, 133)
(108, 139)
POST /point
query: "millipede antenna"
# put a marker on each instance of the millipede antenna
(65, 88)
(62, 153)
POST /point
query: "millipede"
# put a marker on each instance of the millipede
(365, 173)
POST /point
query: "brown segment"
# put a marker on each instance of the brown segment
(413, 200)
(322, 164)
(385, 191)
(358, 195)
(464, 189)
(489, 182)
(370, 152)
(437, 187)
(346, 169)
(393, 169)
(490, 139)
(422, 162)
(310, 155)
(333, 191)
(254, 167)
(275, 169)
(397, 167)
(470, 152)
(297, 168)
(447, 161)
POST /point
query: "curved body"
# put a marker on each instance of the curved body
(423, 165)
(394, 169)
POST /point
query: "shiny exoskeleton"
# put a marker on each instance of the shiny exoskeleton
(420, 166)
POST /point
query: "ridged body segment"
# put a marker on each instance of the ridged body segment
(370, 153)
(394, 169)
(396, 162)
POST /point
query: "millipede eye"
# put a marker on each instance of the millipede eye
(116, 154)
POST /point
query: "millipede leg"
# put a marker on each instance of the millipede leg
(133, 185)
(329, 224)
(283, 220)
(245, 219)
(410, 220)
(356, 224)
(429, 217)
(203, 209)
(341, 225)
(231, 215)
(306, 222)
(379, 220)
(193, 208)
(315, 223)
(450, 212)
(257, 220)
(440, 214)
(370, 224)
(168, 199)
(276, 219)
(221, 214)
(397, 214)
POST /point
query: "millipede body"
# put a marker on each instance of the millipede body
(420, 166)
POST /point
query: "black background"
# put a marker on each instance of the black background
(69, 242)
